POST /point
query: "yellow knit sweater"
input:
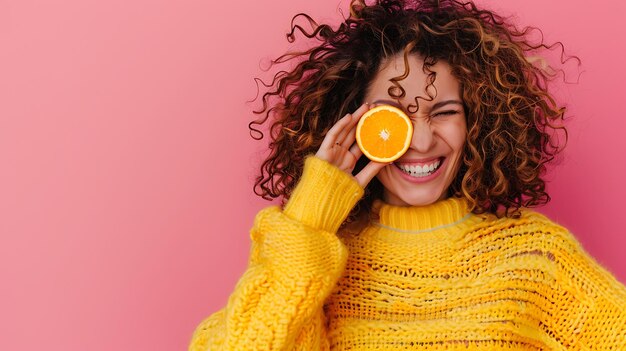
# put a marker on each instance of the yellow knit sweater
(416, 278)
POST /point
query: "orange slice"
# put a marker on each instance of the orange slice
(384, 133)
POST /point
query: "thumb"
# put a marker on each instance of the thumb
(369, 172)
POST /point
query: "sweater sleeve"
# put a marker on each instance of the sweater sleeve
(590, 310)
(296, 259)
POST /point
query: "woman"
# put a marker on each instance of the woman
(447, 255)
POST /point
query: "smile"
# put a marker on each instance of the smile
(420, 171)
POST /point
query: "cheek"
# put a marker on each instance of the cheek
(455, 135)
(384, 176)
(456, 141)
(461, 140)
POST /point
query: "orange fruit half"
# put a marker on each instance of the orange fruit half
(384, 133)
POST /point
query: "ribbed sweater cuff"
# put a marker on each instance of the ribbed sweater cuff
(324, 196)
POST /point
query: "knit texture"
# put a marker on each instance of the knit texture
(435, 277)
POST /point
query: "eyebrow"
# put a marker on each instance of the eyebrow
(435, 106)
(389, 102)
(447, 102)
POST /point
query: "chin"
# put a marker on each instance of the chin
(422, 200)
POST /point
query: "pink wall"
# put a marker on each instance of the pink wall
(127, 165)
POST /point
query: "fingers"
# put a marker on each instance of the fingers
(340, 139)
(350, 137)
(369, 172)
(356, 151)
(349, 129)
(337, 132)
(332, 136)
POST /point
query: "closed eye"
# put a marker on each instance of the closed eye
(446, 113)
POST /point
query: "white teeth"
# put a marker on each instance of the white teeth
(419, 171)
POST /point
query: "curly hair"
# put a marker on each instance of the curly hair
(512, 119)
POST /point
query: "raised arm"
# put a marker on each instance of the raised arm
(296, 257)
(295, 261)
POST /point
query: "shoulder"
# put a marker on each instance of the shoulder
(528, 217)
(532, 228)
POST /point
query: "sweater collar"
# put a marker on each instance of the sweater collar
(441, 214)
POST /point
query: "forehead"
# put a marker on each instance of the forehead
(416, 82)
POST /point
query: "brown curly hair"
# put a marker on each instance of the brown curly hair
(511, 116)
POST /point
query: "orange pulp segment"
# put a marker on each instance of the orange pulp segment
(384, 133)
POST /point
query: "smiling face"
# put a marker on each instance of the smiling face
(424, 173)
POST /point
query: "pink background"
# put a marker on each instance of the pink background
(127, 167)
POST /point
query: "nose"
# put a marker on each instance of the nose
(423, 138)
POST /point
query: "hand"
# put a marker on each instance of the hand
(340, 149)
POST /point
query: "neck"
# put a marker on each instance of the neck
(449, 212)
